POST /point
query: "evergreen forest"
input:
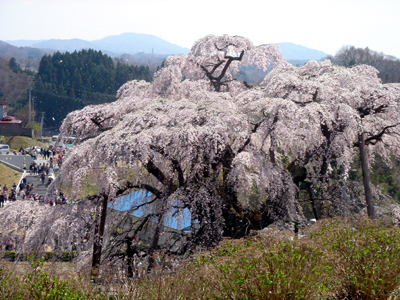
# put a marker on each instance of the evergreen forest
(71, 81)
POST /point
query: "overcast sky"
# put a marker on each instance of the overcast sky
(319, 24)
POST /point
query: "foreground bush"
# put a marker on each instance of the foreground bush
(37, 284)
(365, 256)
(335, 260)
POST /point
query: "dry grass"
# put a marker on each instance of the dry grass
(8, 176)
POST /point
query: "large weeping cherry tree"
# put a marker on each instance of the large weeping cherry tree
(198, 140)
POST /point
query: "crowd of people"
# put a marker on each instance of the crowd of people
(53, 155)
(45, 170)
(6, 195)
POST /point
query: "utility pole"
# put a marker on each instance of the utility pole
(41, 126)
(30, 99)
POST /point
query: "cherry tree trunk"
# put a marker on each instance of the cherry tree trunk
(156, 238)
(366, 180)
(312, 199)
(98, 241)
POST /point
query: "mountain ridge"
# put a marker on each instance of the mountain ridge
(134, 43)
(291, 51)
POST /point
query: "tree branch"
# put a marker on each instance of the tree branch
(378, 137)
(365, 111)
(175, 164)
(256, 126)
(230, 59)
(96, 120)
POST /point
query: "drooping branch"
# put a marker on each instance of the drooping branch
(225, 47)
(372, 140)
(210, 73)
(365, 111)
(175, 164)
(157, 193)
(156, 172)
(99, 123)
(256, 126)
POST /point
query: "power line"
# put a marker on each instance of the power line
(69, 97)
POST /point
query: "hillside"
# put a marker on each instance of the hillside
(114, 45)
(65, 45)
(27, 57)
(133, 43)
(16, 142)
(8, 176)
(24, 43)
(70, 81)
(293, 52)
(12, 85)
(143, 59)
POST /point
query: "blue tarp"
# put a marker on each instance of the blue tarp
(180, 221)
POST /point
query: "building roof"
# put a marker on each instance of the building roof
(4, 102)
(9, 119)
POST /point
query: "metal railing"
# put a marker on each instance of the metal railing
(17, 190)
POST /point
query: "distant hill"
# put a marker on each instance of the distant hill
(24, 43)
(114, 45)
(27, 57)
(143, 59)
(7, 49)
(133, 43)
(293, 52)
(65, 45)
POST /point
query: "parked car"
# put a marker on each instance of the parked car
(36, 148)
(4, 149)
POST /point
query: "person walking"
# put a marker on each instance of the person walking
(28, 189)
(13, 195)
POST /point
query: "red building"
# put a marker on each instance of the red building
(10, 126)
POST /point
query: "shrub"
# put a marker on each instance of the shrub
(37, 284)
(9, 255)
(366, 256)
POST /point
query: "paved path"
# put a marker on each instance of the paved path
(39, 188)
(16, 160)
